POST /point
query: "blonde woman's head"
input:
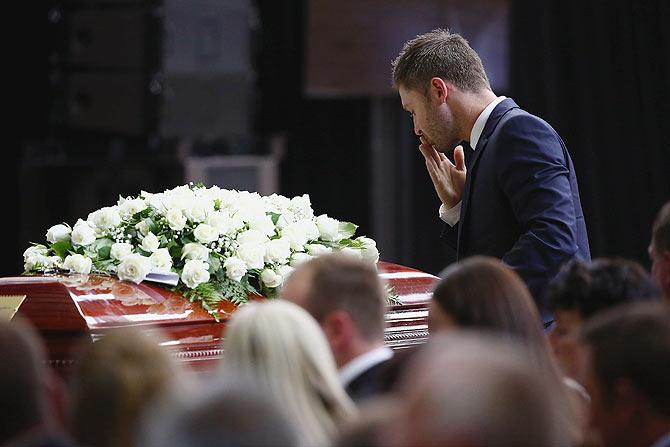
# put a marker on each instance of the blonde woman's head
(282, 347)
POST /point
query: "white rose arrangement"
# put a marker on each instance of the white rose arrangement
(223, 244)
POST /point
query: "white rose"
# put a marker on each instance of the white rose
(296, 236)
(143, 228)
(131, 207)
(277, 251)
(175, 219)
(310, 229)
(317, 249)
(370, 253)
(252, 254)
(58, 233)
(161, 261)
(299, 258)
(195, 251)
(262, 223)
(134, 267)
(302, 207)
(120, 250)
(220, 222)
(285, 271)
(153, 200)
(82, 234)
(195, 272)
(150, 243)
(34, 261)
(235, 268)
(105, 218)
(283, 222)
(252, 237)
(35, 250)
(196, 213)
(205, 233)
(53, 261)
(328, 228)
(78, 264)
(355, 252)
(271, 279)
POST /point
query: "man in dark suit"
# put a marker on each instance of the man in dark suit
(347, 298)
(518, 198)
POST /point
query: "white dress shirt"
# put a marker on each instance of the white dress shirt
(452, 215)
(362, 363)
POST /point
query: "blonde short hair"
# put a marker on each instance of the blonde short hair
(282, 347)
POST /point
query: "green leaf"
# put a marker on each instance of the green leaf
(346, 229)
(346, 243)
(274, 217)
(104, 252)
(214, 264)
(217, 204)
(146, 212)
(175, 250)
(61, 248)
(153, 226)
(104, 266)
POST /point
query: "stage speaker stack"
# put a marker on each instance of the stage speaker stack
(171, 68)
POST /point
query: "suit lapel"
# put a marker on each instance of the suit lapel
(498, 112)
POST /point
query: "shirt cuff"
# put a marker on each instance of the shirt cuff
(452, 215)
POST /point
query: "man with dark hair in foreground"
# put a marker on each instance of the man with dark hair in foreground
(582, 290)
(346, 296)
(624, 361)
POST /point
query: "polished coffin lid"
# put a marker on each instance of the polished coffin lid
(66, 308)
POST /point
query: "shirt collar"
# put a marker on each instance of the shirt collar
(483, 117)
(363, 362)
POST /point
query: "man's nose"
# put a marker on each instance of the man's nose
(417, 131)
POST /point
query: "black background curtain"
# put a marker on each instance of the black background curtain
(599, 72)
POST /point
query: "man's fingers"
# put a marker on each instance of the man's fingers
(459, 158)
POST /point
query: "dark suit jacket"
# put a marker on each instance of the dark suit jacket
(380, 378)
(521, 201)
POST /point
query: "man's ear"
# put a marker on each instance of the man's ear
(439, 90)
(337, 326)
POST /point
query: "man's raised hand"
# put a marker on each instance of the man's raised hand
(448, 178)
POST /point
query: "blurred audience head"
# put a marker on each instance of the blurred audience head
(659, 250)
(229, 414)
(347, 297)
(372, 426)
(483, 293)
(624, 361)
(470, 389)
(281, 347)
(581, 290)
(118, 378)
(22, 380)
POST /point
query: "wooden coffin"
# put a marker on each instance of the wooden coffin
(66, 309)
